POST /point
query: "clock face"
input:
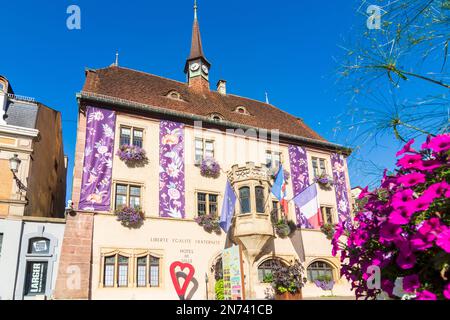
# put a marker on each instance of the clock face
(205, 69)
(195, 66)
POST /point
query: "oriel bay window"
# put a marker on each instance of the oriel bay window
(244, 196)
(127, 195)
(131, 136)
(260, 199)
(207, 204)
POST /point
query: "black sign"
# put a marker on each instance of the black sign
(36, 278)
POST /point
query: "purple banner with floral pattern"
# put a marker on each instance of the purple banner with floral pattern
(98, 159)
(340, 185)
(171, 170)
(300, 179)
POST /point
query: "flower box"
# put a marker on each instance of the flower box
(324, 181)
(289, 296)
(132, 155)
(130, 217)
(210, 168)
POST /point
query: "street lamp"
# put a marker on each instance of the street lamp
(14, 164)
(206, 281)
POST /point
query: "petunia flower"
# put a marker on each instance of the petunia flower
(407, 148)
(400, 216)
(402, 198)
(411, 283)
(447, 291)
(440, 143)
(410, 161)
(438, 190)
(422, 203)
(426, 295)
(443, 239)
(389, 232)
(412, 179)
(429, 165)
(406, 261)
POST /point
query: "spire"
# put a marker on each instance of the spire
(267, 98)
(116, 63)
(196, 43)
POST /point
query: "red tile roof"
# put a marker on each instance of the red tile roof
(144, 88)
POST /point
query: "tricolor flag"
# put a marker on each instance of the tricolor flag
(279, 190)
(229, 203)
(308, 203)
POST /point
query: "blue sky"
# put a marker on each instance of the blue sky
(284, 47)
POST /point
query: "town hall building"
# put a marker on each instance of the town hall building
(142, 142)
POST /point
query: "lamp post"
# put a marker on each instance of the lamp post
(14, 164)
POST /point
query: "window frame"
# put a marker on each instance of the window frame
(264, 266)
(128, 185)
(132, 135)
(324, 214)
(328, 269)
(271, 156)
(317, 163)
(203, 149)
(263, 200)
(207, 202)
(241, 202)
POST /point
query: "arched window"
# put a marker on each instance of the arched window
(108, 276)
(241, 110)
(265, 270)
(122, 272)
(259, 195)
(244, 195)
(320, 270)
(218, 270)
(154, 271)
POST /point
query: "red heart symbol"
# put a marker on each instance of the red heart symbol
(181, 291)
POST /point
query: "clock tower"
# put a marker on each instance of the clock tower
(197, 66)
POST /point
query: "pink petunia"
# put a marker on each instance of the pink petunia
(402, 199)
(429, 165)
(438, 190)
(410, 162)
(440, 143)
(426, 295)
(411, 283)
(443, 239)
(412, 179)
(422, 203)
(406, 261)
(447, 291)
(407, 148)
(389, 232)
(364, 193)
(400, 216)
(387, 286)
(420, 243)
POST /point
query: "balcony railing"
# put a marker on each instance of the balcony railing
(21, 98)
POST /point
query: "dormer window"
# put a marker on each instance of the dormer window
(174, 95)
(242, 110)
(216, 117)
(2, 87)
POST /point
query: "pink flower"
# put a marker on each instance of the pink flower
(426, 295)
(410, 161)
(411, 283)
(387, 286)
(429, 165)
(429, 226)
(440, 143)
(407, 148)
(447, 291)
(438, 190)
(407, 261)
(443, 239)
(410, 180)
(364, 193)
(390, 232)
(402, 198)
(422, 203)
(400, 216)
(420, 243)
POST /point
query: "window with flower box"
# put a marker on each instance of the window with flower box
(319, 166)
(327, 214)
(131, 136)
(204, 148)
(127, 196)
(273, 159)
(207, 204)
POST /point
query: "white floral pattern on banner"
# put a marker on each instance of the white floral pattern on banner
(171, 170)
(97, 166)
(340, 185)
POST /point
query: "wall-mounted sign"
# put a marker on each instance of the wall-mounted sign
(36, 278)
(232, 274)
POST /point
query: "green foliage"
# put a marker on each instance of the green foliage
(219, 290)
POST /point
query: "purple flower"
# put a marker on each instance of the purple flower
(426, 295)
(130, 217)
(210, 168)
(131, 154)
(443, 239)
(411, 283)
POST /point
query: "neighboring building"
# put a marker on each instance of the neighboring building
(119, 106)
(32, 195)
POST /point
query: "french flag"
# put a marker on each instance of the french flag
(279, 190)
(308, 203)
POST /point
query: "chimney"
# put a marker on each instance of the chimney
(222, 87)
